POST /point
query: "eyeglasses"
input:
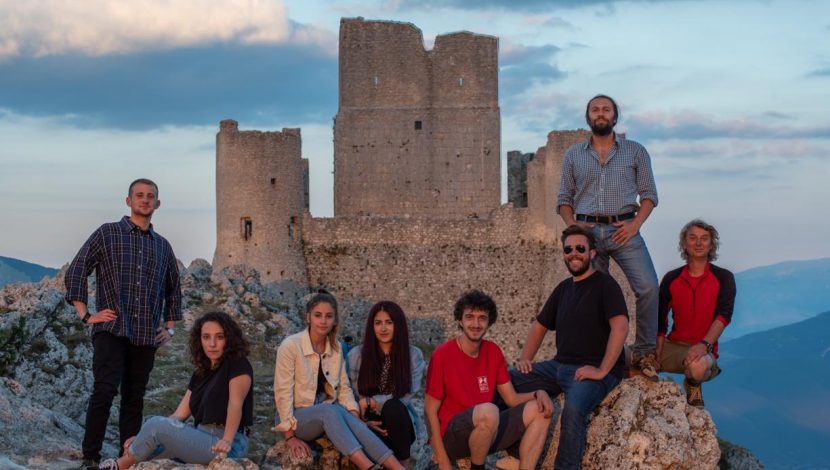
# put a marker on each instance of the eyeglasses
(569, 248)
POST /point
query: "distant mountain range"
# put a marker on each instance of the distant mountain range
(779, 294)
(774, 394)
(15, 270)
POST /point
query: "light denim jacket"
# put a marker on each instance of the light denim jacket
(295, 378)
(417, 365)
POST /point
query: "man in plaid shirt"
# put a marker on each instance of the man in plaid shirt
(608, 187)
(137, 286)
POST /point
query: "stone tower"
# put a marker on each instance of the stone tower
(260, 198)
(417, 132)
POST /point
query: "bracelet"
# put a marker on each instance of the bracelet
(289, 438)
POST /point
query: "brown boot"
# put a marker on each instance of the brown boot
(648, 366)
(694, 393)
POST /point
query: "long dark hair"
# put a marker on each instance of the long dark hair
(236, 346)
(371, 356)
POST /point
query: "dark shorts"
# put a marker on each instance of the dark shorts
(457, 436)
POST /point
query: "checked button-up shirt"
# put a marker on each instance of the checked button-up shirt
(609, 189)
(136, 275)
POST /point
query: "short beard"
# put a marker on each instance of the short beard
(602, 130)
(578, 272)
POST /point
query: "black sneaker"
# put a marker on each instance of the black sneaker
(88, 464)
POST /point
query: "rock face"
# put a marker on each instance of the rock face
(46, 355)
(645, 425)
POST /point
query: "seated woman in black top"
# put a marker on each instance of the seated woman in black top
(219, 397)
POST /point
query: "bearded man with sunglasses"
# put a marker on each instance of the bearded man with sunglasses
(607, 186)
(589, 315)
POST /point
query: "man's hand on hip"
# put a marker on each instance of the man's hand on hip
(626, 230)
(102, 316)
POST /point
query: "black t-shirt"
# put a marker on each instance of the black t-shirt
(209, 393)
(579, 312)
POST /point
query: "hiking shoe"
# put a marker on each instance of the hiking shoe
(88, 464)
(109, 464)
(648, 366)
(508, 462)
(694, 393)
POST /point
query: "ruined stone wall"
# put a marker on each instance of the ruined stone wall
(417, 132)
(544, 173)
(517, 177)
(260, 196)
(426, 264)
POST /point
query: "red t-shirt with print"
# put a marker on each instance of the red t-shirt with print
(461, 381)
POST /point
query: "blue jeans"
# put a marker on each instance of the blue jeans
(636, 263)
(167, 438)
(581, 397)
(348, 433)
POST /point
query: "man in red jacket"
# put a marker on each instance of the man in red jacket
(701, 297)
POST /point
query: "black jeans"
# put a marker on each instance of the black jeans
(400, 433)
(116, 361)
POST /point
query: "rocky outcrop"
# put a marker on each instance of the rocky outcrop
(45, 360)
(646, 425)
(735, 457)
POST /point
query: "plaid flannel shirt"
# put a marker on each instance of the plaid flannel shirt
(136, 275)
(610, 189)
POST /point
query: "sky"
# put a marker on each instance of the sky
(729, 97)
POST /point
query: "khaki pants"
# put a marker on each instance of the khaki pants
(673, 354)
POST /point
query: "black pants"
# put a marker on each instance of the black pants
(116, 361)
(400, 433)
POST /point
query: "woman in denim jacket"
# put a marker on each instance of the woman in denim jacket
(387, 371)
(313, 396)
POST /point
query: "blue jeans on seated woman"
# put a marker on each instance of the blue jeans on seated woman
(167, 438)
(347, 432)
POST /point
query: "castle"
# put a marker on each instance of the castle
(417, 213)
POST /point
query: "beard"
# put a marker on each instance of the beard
(582, 269)
(602, 129)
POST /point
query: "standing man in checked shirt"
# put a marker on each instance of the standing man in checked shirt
(602, 179)
(137, 286)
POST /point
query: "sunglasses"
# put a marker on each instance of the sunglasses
(570, 248)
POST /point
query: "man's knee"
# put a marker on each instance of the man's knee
(486, 416)
(532, 413)
(700, 370)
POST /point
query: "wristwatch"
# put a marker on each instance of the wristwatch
(171, 332)
(86, 318)
(709, 346)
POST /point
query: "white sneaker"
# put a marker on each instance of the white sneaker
(508, 462)
(109, 464)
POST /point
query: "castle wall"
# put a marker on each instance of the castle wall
(417, 133)
(260, 196)
(426, 264)
(517, 177)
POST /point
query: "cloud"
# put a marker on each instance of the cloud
(524, 5)
(522, 67)
(255, 84)
(823, 72)
(692, 125)
(96, 28)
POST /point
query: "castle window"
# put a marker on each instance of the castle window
(418, 125)
(247, 228)
(376, 80)
(460, 81)
(273, 181)
(292, 229)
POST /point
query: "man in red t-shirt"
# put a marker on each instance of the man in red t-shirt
(464, 374)
(701, 297)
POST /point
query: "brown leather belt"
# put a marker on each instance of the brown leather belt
(604, 219)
